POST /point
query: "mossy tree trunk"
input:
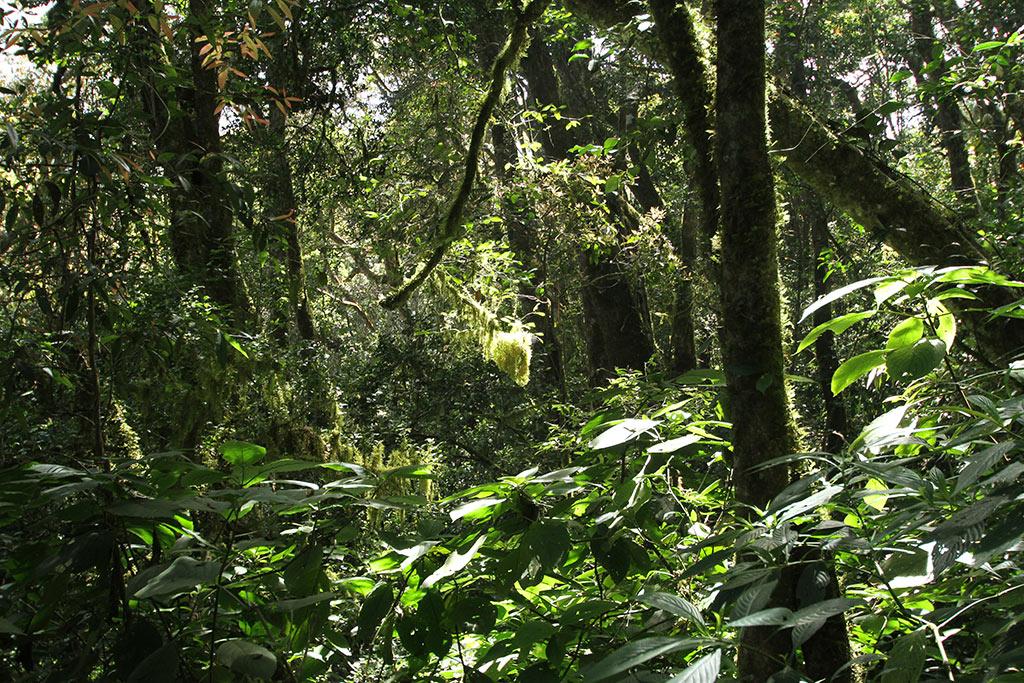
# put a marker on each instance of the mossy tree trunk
(763, 426)
(201, 229)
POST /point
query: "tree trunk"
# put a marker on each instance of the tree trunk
(836, 424)
(682, 235)
(944, 110)
(894, 209)
(763, 426)
(616, 334)
(284, 226)
(533, 307)
(201, 226)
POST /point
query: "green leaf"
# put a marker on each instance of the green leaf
(876, 500)
(673, 445)
(636, 653)
(913, 362)
(945, 321)
(375, 608)
(774, 616)
(704, 670)
(471, 510)
(235, 344)
(549, 541)
(905, 333)
(241, 452)
(836, 326)
(823, 610)
(455, 563)
(247, 659)
(303, 572)
(838, 294)
(673, 604)
(855, 368)
(624, 431)
(900, 75)
(184, 574)
(159, 667)
(982, 462)
(988, 45)
(906, 660)
(419, 471)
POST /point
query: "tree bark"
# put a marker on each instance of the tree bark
(894, 209)
(682, 235)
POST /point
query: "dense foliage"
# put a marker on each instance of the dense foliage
(593, 340)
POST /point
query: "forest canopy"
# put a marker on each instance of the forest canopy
(524, 340)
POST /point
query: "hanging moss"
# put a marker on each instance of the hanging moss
(511, 352)
(510, 349)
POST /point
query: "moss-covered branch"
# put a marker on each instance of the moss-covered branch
(506, 61)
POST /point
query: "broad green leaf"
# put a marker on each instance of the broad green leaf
(474, 506)
(455, 563)
(375, 608)
(905, 333)
(673, 604)
(184, 574)
(420, 471)
(704, 670)
(945, 321)
(299, 603)
(247, 659)
(302, 573)
(988, 45)
(975, 275)
(623, 432)
(774, 616)
(241, 452)
(836, 326)
(548, 541)
(159, 667)
(673, 445)
(982, 462)
(838, 294)
(876, 500)
(635, 653)
(808, 504)
(893, 286)
(823, 610)
(854, 368)
(913, 362)
(906, 660)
